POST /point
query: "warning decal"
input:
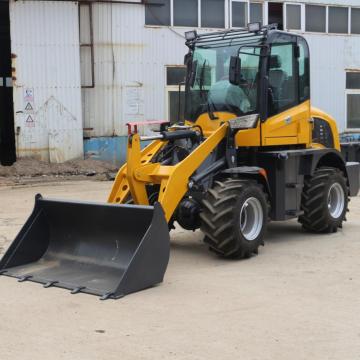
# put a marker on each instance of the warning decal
(29, 94)
(29, 107)
(29, 122)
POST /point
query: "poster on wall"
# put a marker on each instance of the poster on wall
(133, 100)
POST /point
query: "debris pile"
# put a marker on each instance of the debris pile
(32, 170)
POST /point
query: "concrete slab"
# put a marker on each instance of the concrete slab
(298, 299)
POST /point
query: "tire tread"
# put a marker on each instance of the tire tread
(315, 218)
(218, 220)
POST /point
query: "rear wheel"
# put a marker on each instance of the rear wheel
(324, 201)
(234, 217)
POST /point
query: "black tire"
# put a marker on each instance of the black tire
(220, 218)
(317, 215)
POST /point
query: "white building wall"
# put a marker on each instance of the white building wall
(129, 59)
(130, 55)
(130, 62)
(45, 41)
(330, 57)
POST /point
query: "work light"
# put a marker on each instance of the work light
(190, 35)
(254, 27)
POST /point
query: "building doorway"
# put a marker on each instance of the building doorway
(7, 131)
(275, 15)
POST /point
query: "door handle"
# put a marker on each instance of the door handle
(288, 120)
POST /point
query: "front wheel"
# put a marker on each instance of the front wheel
(234, 217)
(324, 201)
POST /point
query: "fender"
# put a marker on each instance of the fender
(333, 158)
(254, 172)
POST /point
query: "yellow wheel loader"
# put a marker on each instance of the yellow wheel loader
(252, 149)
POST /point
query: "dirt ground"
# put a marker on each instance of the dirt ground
(298, 299)
(29, 170)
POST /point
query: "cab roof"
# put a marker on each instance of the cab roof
(232, 38)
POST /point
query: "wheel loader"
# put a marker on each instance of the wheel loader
(251, 150)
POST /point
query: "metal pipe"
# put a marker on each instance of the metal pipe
(150, 138)
(172, 135)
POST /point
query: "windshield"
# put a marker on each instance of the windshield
(212, 90)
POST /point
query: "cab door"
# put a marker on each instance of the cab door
(288, 121)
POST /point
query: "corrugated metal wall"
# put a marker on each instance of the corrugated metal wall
(130, 62)
(47, 93)
(330, 57)
(132, 57)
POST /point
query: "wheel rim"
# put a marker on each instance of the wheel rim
(251, 218)
(336, 200)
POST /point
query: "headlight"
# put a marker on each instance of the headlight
(244, 122)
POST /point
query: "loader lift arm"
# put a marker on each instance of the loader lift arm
(173, 180)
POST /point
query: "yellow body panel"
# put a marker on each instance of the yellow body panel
(290, 127)
(207, 125)
(249, 137)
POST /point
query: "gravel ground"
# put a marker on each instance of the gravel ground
(298, 299)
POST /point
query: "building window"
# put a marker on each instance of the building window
(185, 12)
(175, 77)
(353, 80)
(315, 18)
(353, 99)
(213, 13)
(355, 21)
(239, 13)
(86, 46)
(256, 12)
(293, 17)
(338, 20)
(353, 111)
(157, 12)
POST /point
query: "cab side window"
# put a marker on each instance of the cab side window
(304, 71)
(283, 84)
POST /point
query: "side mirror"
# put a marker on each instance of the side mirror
(187, 58)
(192, 72)
(235, 70)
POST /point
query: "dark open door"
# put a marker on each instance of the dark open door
(7, 133)
(276, 14)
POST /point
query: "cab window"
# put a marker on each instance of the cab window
(283, 85)
(304, 70)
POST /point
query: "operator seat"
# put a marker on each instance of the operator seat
(277, 78)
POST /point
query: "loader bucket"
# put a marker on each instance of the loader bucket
(95, 248)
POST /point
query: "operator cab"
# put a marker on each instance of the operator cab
(255, 71)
